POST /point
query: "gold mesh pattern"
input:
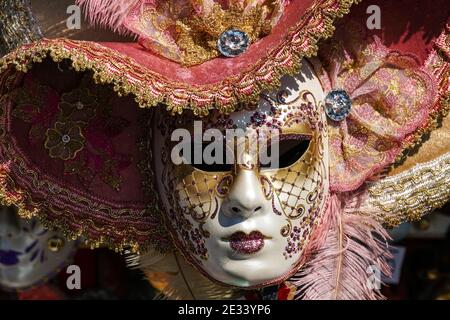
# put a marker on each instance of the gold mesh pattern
(196, 193)
(300, 183)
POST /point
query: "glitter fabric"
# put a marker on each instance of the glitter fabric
(17, 25)
(247, 244)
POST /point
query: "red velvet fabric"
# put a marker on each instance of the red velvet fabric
(409, 26)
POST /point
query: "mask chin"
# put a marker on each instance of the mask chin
(247, 225)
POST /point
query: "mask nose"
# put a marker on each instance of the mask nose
(246, 197)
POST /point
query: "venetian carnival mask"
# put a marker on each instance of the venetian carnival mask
(246, 222)
(29, 254)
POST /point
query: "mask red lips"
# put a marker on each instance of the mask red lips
(247, 244)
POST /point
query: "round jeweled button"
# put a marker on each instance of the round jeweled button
(338, 105)
(79, 105)
(233, 43)
(65, 138)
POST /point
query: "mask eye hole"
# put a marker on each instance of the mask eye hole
(290, 150)
(217, 163)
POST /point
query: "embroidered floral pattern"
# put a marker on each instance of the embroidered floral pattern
(75, 127)
(65, 140)
(78, 105)
(37, 105)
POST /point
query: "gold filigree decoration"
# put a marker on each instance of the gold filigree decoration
(150, 89)
(198, 36)
(413, 193)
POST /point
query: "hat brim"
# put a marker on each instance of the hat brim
(221, 83)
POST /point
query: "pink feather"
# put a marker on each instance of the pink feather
(339, 255)
(108, 13)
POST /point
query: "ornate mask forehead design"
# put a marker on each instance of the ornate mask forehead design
(242, 223)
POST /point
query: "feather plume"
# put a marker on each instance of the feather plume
(108, 13)
(341, 255)
(176, 279)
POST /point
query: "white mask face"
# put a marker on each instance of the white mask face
(29, 254)
(246, 224)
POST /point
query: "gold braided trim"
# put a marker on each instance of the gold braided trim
(15, 196)
(21, 201)
(413, 193)
(151, 89)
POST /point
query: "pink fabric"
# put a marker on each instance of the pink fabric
(406, 25)
(222, 83)
(219, 69)
(392, 97)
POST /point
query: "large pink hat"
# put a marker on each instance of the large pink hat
(151, 71)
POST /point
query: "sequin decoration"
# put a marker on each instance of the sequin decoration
(233, 43)
(17, 25)
(247, 244)
(338, 105)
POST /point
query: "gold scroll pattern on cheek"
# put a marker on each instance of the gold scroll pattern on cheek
(298, 195)
(192, 198)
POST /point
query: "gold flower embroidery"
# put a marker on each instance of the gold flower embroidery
(64, 140)
(78, 105)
